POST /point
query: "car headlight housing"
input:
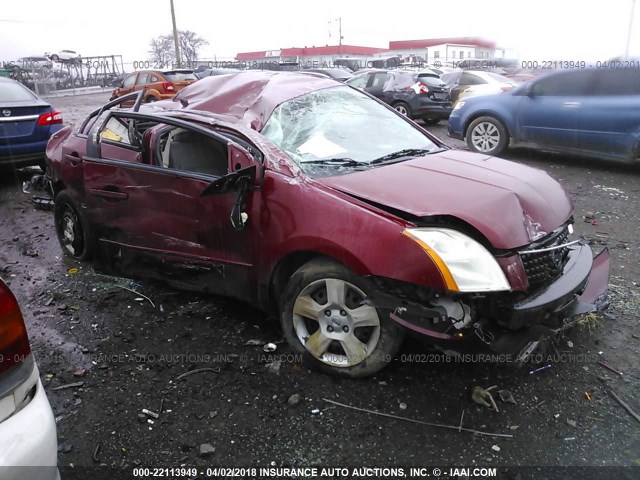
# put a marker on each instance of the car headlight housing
(465, 265)
(458, 105)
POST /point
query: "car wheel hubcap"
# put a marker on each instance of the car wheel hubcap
(401, 109)
(333, 324)
(485, 136)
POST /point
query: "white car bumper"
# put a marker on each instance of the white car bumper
(28, 442)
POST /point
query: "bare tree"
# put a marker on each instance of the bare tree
(162, 49)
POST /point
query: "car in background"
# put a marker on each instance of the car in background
(591, 112)
(491, 82)
(415, 94)
(36, 62)
(339, 74)
(64, 55)
(289, 190)
(26, 124)
(209, 72)
(27, 426)
(158, 84)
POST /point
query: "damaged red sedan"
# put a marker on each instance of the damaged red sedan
(319, 203)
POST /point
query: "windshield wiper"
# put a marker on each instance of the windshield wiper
(341, 162)
(407, 152)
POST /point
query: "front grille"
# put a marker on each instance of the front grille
(543, 268)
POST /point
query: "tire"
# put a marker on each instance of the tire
(403, 108)
(431, 121)
(324, 340)
(72, 229)
(487, 135)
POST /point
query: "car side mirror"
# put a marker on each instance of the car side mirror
(241, 181)
(528, 90)
(233, 181)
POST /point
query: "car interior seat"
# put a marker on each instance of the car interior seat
(197, 153)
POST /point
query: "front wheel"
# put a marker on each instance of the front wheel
(324, 319)
(72, 229)
(487, 135)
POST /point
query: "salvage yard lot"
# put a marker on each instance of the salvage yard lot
(129, 355)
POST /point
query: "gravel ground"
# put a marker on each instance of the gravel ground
(129, 356)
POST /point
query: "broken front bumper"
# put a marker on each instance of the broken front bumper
(519, 330)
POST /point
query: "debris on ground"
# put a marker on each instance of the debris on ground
(482, 396)
(269, 347)
(609, 367)
(69, 385)
(624, 405)
(460, 428)
(541, 369)
(206, 450)
(571, 423)
(506, 396)
(294, 400)
(150, 413)
(495, 448)
(198, 370)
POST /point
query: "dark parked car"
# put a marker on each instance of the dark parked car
(325, 206)
(414, 94)
(339, 74)
(26, 124)
(157, 84)
(593, 112)
(486, 82)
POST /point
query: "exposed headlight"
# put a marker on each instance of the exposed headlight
(465, 265)
(458, 105)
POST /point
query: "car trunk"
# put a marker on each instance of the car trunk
(180, 79)
(19, 123)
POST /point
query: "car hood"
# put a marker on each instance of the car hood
(509, 203)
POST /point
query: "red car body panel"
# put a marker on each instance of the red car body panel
(489, 193)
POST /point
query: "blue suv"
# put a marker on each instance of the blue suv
(591, 112)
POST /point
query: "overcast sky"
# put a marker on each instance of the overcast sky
(540, 29)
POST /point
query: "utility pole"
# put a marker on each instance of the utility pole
(175, 36)
(626, 51)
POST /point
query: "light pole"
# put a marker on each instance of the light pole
(626, 51)
(176, 44)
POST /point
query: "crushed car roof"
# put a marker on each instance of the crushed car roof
(247, 98)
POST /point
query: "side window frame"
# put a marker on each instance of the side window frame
(226, 141)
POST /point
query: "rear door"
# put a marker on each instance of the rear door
(550, 115)
(376, 84)
(610, 119)
(466, 80)
(150, 217)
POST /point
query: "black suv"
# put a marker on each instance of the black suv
(415, 94)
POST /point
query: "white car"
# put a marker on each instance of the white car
(64, 55)
(27, 426)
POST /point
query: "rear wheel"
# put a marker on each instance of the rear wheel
(487, 135)
(323, 318)
(431, 121)
(403, 108)
(72, 229)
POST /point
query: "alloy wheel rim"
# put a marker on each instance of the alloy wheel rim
(402, 110)
(333, 324)
(485, 136)
(69, 228)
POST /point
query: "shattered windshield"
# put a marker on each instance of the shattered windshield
(337, 130)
